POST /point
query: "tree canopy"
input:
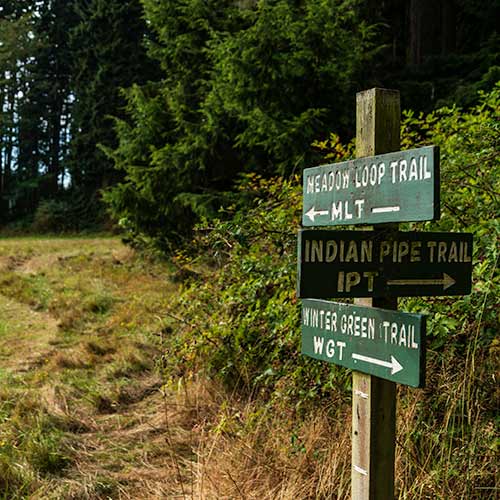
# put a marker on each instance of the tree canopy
(161, 105)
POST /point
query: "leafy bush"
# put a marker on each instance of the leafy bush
(240, 309)
(470, 191)
(241, 312)
(69, 214)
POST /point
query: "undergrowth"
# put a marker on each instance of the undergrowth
(238, 323)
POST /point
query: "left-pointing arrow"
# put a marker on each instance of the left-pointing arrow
(312, 213)
(393, 364)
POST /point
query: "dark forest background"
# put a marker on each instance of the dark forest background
(148, 112)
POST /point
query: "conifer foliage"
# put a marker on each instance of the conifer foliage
(62, 64)
(161, 106)
(245, 89)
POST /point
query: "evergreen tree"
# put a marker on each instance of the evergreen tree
(245, 88)
(108, 54)
(53, 72)
(17, 52)
(36, 97)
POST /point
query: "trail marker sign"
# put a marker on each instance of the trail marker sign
(383, 264)
(387, 344)
(391, 187)
(381, 345)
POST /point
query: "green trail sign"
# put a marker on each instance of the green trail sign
(383, 264)
(387, 344)
(392, 187)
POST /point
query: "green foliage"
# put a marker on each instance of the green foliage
(32, 444)
(243, 90)
(68, 214)
(470, 187)
(287, 76)
(108, 53)
(240, 310)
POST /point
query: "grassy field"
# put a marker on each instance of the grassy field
(82, 411)
(87, 413)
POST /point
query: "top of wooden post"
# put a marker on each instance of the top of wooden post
(377, 122)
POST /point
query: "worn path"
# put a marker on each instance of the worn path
(79, 323)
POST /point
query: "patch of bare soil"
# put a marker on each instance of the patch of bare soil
(10, 262)
(38, 263)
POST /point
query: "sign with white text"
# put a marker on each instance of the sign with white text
(383, 264)
(387, 344)
(394, 187)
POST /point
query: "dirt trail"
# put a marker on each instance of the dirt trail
(88, 349)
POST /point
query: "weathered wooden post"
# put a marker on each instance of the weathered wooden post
(374, 399)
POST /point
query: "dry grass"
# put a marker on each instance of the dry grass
(450, 451)
(85, 415)
(239, 450)
(81, 411)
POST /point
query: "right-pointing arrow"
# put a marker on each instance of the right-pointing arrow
(393, 364)
(446, 281)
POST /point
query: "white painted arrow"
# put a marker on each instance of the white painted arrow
(313, 212)
(394, 364)
(446, 281)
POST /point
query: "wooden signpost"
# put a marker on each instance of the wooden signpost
(381, 345)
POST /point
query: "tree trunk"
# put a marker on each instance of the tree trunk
(448, 27)
(432, 29)
(424, 22)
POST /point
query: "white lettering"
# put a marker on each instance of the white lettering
(415, 251)
(310, 184)
(370, 275)
(352, 279)
(393, 166)
(427, 173)
(318, 344)
(330, 348)
(431, 245)
(317, 251)
(337, 211)
(305, 315)
(341, 350)
(381, 172)
(413, 170)
(359, 207)
(345, 179)
(403, 165)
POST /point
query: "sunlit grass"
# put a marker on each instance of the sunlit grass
(77, 344)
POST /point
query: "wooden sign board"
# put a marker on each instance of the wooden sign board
(393, 187)
(387, 344)
(383, 264)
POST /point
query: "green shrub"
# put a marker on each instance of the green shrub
(240, 309)
(470, 202)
